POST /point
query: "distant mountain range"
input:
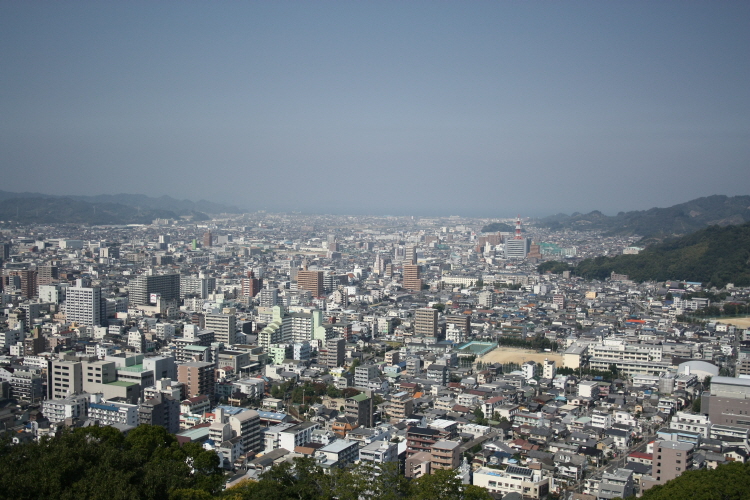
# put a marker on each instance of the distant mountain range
(140, 201)
(659, 223)
(38, 208)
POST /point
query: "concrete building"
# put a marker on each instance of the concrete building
(84, 305)
(335, 352)
(246, 424)
(268, 297)
(670, 460)
(224, 327)
(113, 412)
(196, 286)
(311, 281)
(548, 369)
(296, 435)
(426, 322)
(198, 378)
(360, 407)
(57, 410)
(728, 401)
(251, 285)
(362, 375)
(412, 277)
(339, 453)
(517, 248)
(379, 452)
(618, 484)
(529, 370)
(461, 321)
(401, 406)
(445, 455)
(160, 410)
(142, 289)
(65, 379)
(527, 483)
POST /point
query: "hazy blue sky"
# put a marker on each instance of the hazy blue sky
(471, 108)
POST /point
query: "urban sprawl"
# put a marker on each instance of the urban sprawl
(352, 339)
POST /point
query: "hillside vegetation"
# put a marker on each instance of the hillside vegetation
(496, 227)
(714, 256)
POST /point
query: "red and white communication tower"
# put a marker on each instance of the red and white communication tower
(518, 228)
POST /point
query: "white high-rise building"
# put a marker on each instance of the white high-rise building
(517, 248)
(83, 305)
(549, 369)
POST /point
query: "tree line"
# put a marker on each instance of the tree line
(149, 464)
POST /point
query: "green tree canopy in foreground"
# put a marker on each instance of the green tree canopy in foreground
(726, 482)
(99, 462)
(148, 463)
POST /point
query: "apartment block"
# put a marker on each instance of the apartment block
(198, 377)
(360, 407)
(425, 322)
(670, 460)
(224, 327)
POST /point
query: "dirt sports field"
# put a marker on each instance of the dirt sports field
(511, 355)
(738, 322)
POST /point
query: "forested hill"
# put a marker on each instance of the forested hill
(715, 255)
(498, 227)
(676, 220)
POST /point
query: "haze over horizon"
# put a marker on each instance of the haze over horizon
(477, 109)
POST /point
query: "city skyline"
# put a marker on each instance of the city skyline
(481, 109)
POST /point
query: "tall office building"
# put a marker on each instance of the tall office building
(311, 281)
(380, 262)
(410, 254)
(412, 277)
(46, 275)
(208, 239)
(224, 327)
(142, 288)
(251, 285)
(336, 349)
(518, 247)
(83, 305)
(425, 322)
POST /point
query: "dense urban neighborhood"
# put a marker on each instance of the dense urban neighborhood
(444, 352)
